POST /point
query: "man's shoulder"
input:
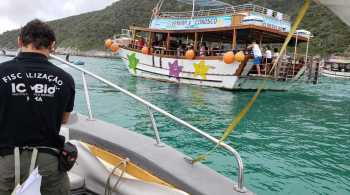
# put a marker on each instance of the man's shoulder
(6, 65)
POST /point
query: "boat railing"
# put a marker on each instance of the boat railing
(285, 70)
(228, 10)
(181, 53)
(151, 109)
(162, 51)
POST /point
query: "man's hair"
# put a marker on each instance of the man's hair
(37, 33)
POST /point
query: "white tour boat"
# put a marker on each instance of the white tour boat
(209, 48)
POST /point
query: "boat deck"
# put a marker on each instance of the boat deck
(164, 162)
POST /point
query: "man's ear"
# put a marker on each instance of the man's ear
(52, 47)
(19, 42)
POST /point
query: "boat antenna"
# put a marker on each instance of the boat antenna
(159, 6)
(193, 7)
(156, 9)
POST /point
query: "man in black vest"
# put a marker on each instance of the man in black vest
(36, 97)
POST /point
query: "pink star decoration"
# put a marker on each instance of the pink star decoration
(175, 69)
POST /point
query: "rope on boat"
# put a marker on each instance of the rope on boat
(232, 126)
(109, 189)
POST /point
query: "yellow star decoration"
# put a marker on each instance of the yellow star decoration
(201, 69)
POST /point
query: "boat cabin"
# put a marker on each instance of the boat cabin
(213, 31)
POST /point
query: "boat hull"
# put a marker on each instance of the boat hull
(162, 162)
(204, 72)
(336, 74)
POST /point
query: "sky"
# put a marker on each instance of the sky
(16, 13)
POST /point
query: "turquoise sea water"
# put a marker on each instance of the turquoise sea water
(295, 142)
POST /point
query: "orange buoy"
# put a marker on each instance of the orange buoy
(229, 57)
(114, 47)
(190, 54)
(108, 43)
(240, 56)
(145, 50)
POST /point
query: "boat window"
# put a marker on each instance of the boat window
(347, 68)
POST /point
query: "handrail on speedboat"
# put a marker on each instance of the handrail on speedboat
(239, 187)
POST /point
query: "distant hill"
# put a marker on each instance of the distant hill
(87, 31)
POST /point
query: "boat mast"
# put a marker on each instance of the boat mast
(307, 48)
(193, 7)
(156, 10)
(295, 51)
(160, 4)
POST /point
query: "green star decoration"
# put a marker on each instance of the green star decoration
(133, 62)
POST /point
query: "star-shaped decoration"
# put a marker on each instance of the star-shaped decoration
(133, 61)
(201, 69)
(175, 69)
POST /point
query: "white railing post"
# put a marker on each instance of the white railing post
(87, 97)
(154, 126)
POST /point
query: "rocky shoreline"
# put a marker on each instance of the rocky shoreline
(90, 53)
(72, 52)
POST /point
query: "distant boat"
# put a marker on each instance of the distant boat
(124, 38)
(336, 68)
(76, 62)
(8, 53)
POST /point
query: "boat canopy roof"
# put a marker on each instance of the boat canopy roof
(339, 61)
(221, 17)
(225, 10)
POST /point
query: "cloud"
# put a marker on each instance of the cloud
(16, 13)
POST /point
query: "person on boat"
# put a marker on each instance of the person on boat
(141, 43)
(302, 60)
(189, 46)
(268, 55)
(215, 50)
(36, 99)
(257, 55)
(67, 57)
(275, 55)
(203, 50)
(179, 49)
